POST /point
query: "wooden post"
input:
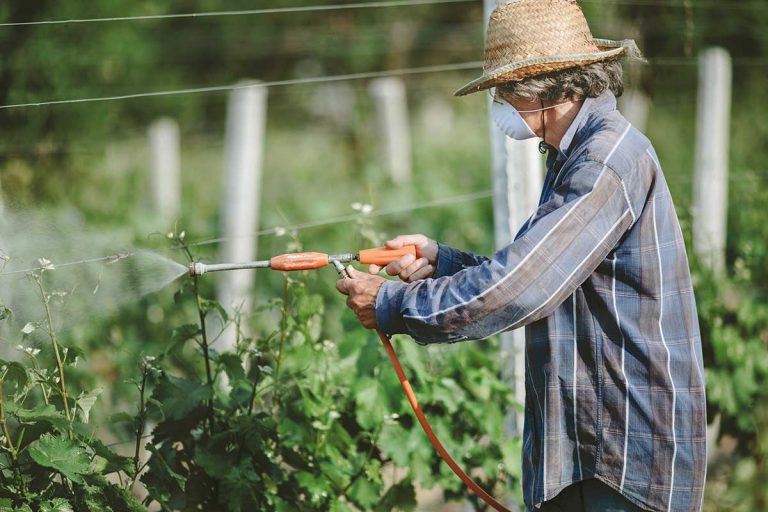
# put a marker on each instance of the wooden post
(710, 193)
(165, 169)
(517, 180)
(246, 125)
(392, 121)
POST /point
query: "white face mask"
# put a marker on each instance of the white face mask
(509, 120)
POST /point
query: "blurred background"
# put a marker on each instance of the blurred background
(336, 150)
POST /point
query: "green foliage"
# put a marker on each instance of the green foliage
(294, 421)
(49, 460)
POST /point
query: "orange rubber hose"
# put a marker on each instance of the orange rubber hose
(490, 500)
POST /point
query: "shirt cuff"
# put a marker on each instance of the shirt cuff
(388, 303)
(449, 261)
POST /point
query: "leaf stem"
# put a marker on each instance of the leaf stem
(204, 335)
(55, 343)
(140, 426)
(283, 338)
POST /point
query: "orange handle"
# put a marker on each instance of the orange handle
(384, 256)
(299, 261)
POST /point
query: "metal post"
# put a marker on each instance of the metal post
(710, 193)
(165, 169)
(392, 120)
(246, 124)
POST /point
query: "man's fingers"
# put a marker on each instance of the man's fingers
(402, 240)
(397, 266)
(374, 269)
(343, 286)
(354, 273)
(413, 267)
(422, 273)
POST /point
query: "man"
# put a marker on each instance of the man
(615, 413)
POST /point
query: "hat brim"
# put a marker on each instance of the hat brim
(537, 66)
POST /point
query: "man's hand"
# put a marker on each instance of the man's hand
(410, 268)
(361, 290)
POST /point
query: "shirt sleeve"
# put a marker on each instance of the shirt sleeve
(451, 260)
(584, 219)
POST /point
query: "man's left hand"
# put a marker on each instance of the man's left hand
(361, 289)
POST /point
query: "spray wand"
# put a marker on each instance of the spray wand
(377, 256)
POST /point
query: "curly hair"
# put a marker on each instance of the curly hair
(587, 81)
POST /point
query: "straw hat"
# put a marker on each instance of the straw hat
(532, 37)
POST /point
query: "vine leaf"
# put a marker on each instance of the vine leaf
(85, 402)
(61, 454)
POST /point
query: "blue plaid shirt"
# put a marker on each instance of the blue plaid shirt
(599, 278)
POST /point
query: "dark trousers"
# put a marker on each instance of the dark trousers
(588, 496)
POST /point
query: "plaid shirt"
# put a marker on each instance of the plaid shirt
(599, 277)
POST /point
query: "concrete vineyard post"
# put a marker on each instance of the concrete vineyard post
(710, 193)
(634, 105)
(393, 128)
(246, 126)
(710, 182)
(517, 172)
(165, 178)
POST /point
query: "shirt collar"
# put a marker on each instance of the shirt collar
(604, 102)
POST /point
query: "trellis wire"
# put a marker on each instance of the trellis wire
(296, 227)
(474, 196)
(247, 12)
(361, 5)
(226, 88)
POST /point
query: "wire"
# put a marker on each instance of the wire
(52, 266)
(276, 10)
(680, 3)
(349, 218)
(474, 196)
(225, 88)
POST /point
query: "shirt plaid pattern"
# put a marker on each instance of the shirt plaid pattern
(599, 277)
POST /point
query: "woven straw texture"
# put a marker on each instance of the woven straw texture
(532, 37)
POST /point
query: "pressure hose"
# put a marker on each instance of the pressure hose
(378, 256)
(473, 486)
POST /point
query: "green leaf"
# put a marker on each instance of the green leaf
(212, 305)
(56, 505)
(179, 396)
(120, 417)
(85, 402)
(5, 313)
(372, 403)
(180, 335)
(41, 412)
(61, 454)
(114, 462)
(15, 372)
(400, 496)
(185, 332)
(233, 365)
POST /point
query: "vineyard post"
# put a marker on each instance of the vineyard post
(710, 183)
(634, 105)
(165, 167)
(517, 171)
(392, 122)
(246, 126)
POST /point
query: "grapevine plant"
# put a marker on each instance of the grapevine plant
(49, 458)
(292, 421)
(288, 420)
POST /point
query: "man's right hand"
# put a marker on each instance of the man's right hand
(410, 268)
